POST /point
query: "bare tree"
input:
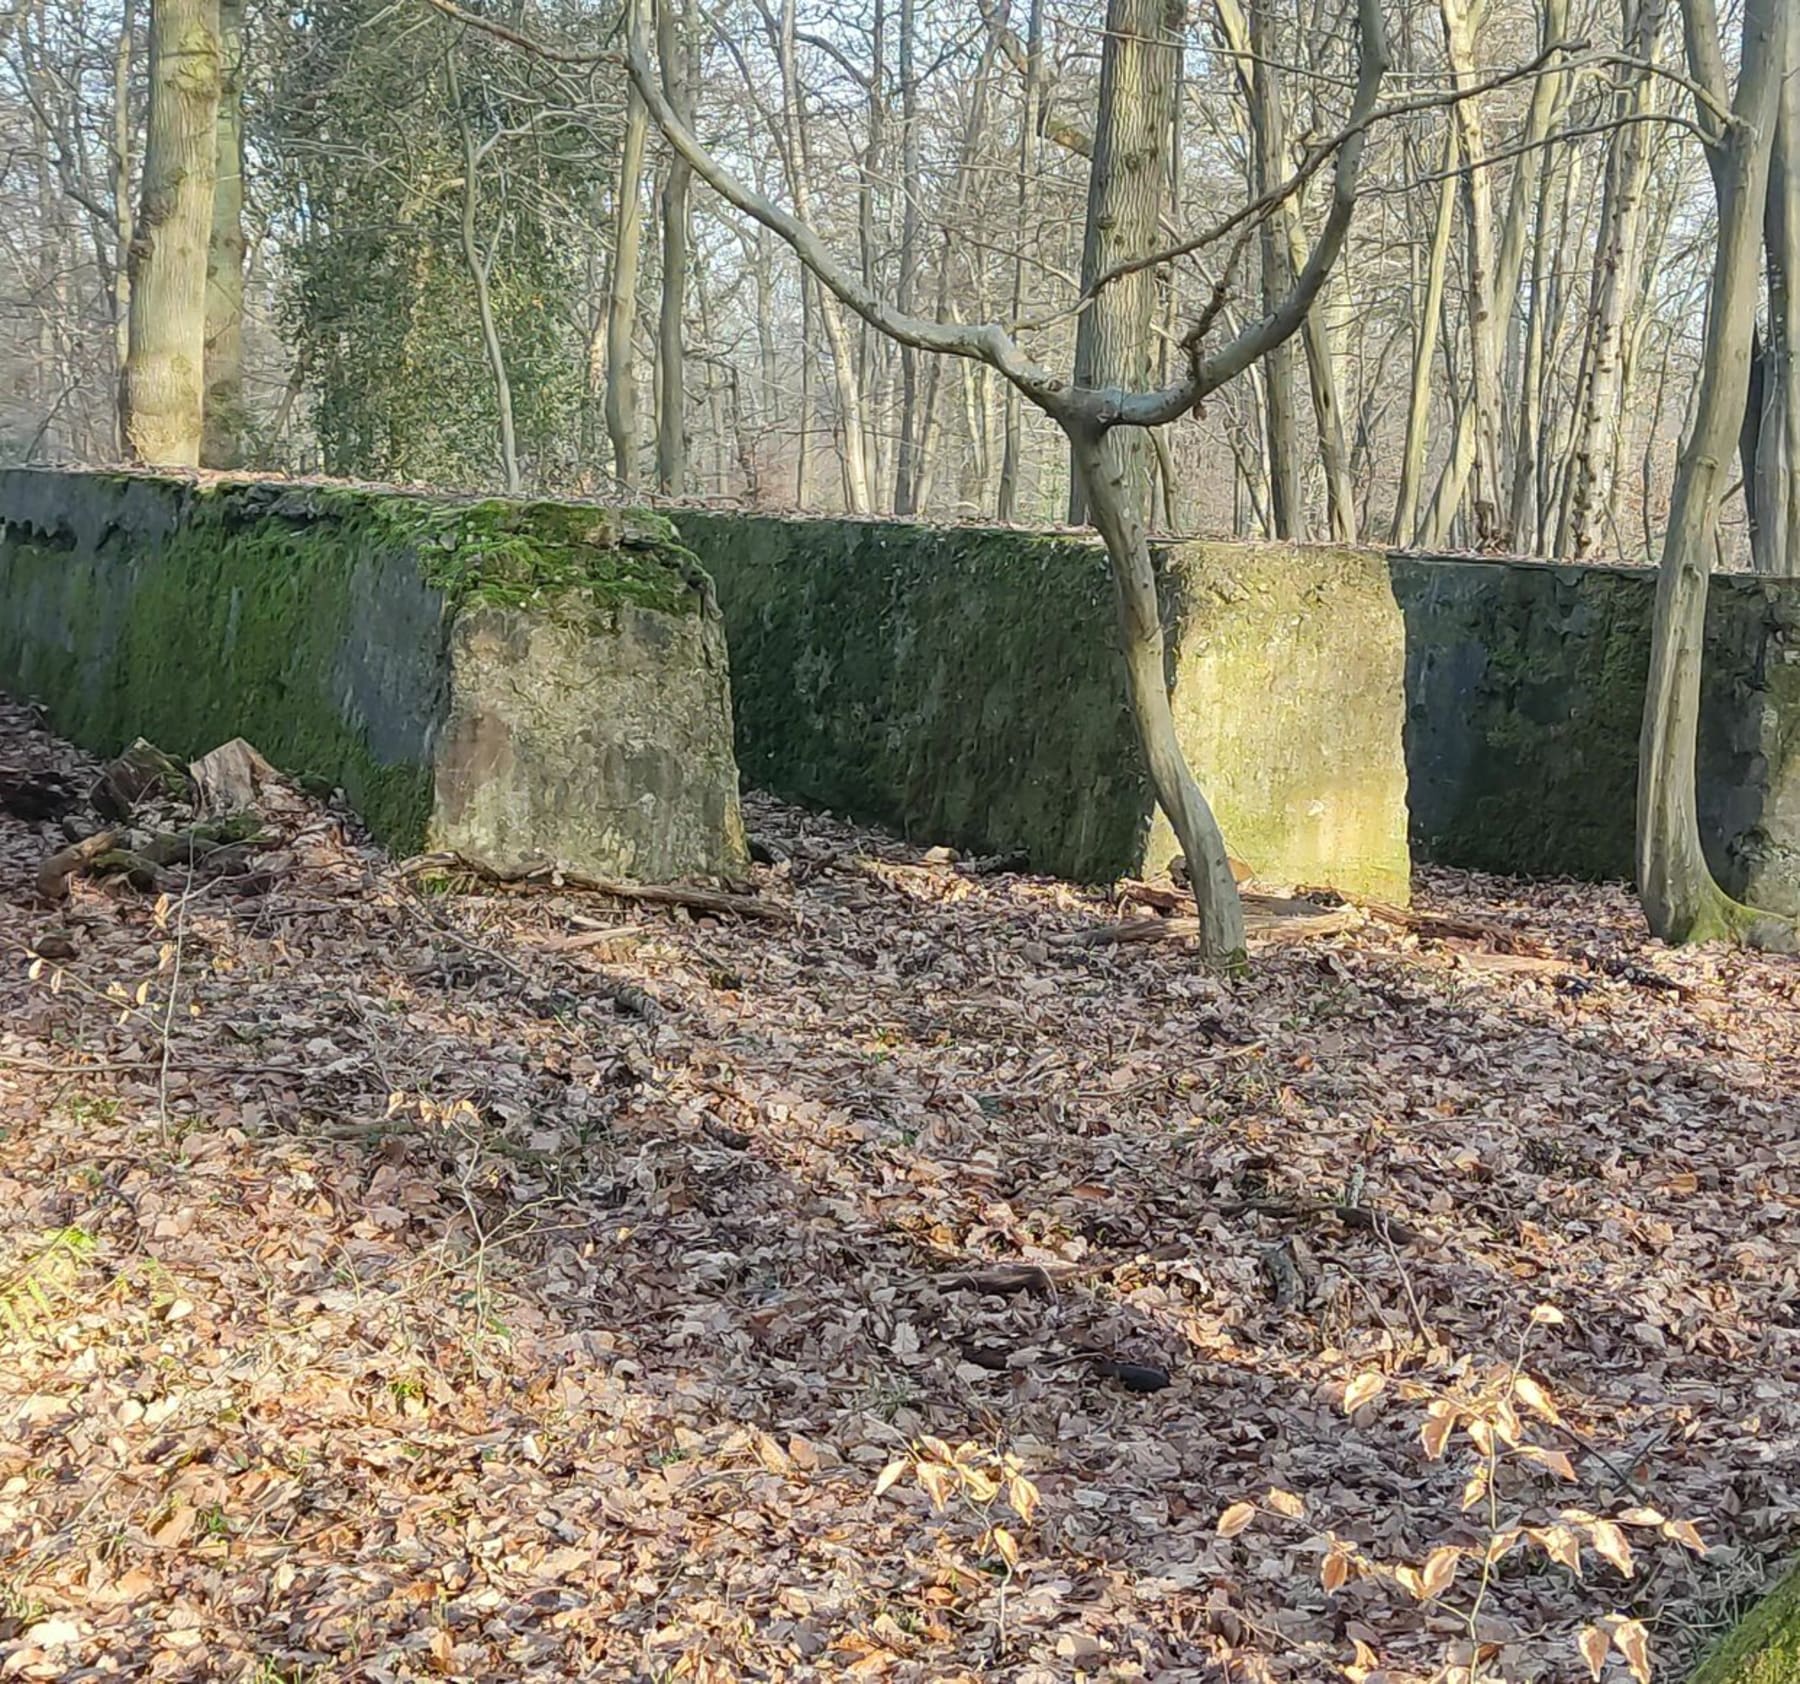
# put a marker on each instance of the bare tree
(163, 390)
(222, 437)
(1093, 415)
(1681, 899)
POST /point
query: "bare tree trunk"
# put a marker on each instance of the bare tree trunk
(906, 464)
(621, 304)
(1114, 500)
(1614, 296)
(119, 179)
(1418, 412)
(1006, 503)
(1493, 306)
(1126, 194)
(673, 45)
(1268, 125)
(481, 272)
(163, 392)
(222, 438)
(1681, 900)
(1775, 532)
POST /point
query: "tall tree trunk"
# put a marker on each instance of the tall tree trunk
(222, 437)
(1775, 470)
(481, 266)
(1418, 410)
(906, 456)
(1268, 125)
(673, 45)
(1006, 504)
(1614, 295)
(1681, 900)
(163, 392)
(119, 180)
(1126, 193)
(1493, 306)
(621, 304)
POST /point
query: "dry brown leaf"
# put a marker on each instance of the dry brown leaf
(1235, 1519)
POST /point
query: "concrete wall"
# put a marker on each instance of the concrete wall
(963, 686)
(1525, 690)
(519, 682)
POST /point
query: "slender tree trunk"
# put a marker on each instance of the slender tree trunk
(119, 179)
(906, 464)
(1268, 125)
(1494, 304)
(480, 266)
(621, 304)
(163, 392)
(1114, 499)
(673, 48)
(1681, 900)
(1775, 532)
(1418, 411)
(1012, 450)
(1614, 296)
(222, 440)
(1126, 194)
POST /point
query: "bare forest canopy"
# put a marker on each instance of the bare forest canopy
(473, 266)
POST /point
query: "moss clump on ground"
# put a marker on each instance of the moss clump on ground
(1764, 1647)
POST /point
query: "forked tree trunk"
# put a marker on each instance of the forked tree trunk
(163, 392)
(222, 438)
(1115, 506)
(621, 303)
(1680, 898)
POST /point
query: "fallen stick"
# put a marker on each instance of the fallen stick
(1270, 926)
(650, 894)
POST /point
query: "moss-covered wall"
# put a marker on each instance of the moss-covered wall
(964, 686)
(1525, 689)
(321, 623)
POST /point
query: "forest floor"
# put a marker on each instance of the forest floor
(401, 1279)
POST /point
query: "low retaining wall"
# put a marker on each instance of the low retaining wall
(961, 685)
(519, 682)
(964, 686)
(1525, 691)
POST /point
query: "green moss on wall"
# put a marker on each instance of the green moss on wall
(958, 685)
(964, 685)
(312, 620)
(1525, 693)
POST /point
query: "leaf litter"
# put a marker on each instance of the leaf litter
(396, 1283)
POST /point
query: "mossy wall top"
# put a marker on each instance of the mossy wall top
(313, 620)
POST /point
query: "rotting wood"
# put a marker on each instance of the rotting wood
(54, 874)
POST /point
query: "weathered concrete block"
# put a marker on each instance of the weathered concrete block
(1288, 694)
(520, 682)
(965, 686)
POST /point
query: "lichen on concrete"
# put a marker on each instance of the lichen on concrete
(965, 686)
